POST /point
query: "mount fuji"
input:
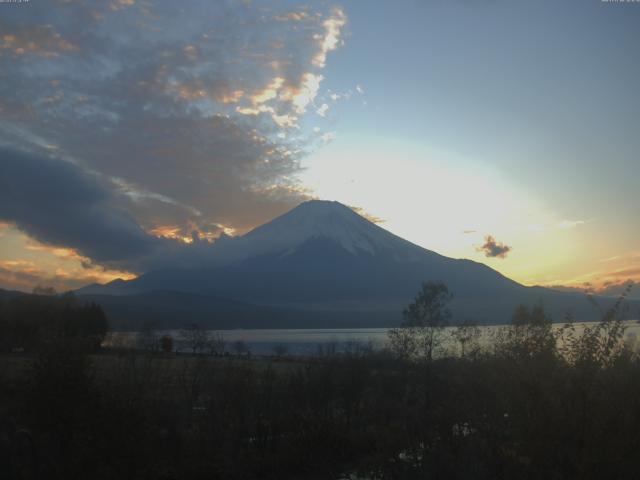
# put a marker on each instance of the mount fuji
(321, 264)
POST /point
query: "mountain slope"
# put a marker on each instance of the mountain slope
(320, 250)
(320, 219)
(324, 258)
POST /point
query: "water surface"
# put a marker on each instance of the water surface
(313, 341)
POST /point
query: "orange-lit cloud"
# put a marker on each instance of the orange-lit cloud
(612, 275)
(4, 227)
(190, 93)
(268, 92)
(42, 41)
(25, 263)
(159, 140)
(120, 4)
(303, 94)
(285, 102)
(362, 212)
(230, 97)
(191, 232)
(25, 276)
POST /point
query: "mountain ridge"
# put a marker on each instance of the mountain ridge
(321, 255)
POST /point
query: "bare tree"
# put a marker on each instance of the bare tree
(194, 338)
(280, 349)
(148, 338)
(466, 334)
(215, 343)
(199, 340)
(421, 332)
(240, 347)
(166, 343)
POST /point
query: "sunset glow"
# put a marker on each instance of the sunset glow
(218, 119)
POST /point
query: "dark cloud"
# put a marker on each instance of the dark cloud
(188, 112)
(494, 249)
(57, 203)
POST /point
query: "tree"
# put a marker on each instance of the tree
(193, 337)
(280, 349)
(466, 334)
(529, 335)
(199, 340)
(95, 326)
(215, 343)
(420, 333)
(241, 347)
(147, 338)
(166, 343)
(600, 344)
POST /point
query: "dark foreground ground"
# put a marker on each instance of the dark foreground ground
(522, 409)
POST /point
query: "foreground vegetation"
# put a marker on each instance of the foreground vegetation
(527, 407)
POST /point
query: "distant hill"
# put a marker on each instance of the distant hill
(170, 309)
(7, 294)
(322, 263)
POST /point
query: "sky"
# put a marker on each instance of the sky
(134, 133)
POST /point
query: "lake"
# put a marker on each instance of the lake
(309, 342)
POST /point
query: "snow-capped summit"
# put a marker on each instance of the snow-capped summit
(317, 219)
(323, 259)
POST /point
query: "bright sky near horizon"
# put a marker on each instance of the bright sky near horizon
(507, 132)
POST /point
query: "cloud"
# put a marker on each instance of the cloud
(494, 249)
(20, 277)
(609, 288)
(332, 36)
(626, 272)
(118, 4)
(25, 263)
(322, 109)
(614, 289)
(571, 289)
(163, 117)
(39, 40)
(292, 16)
(57, 203)
(567, 224)
(25, 275)
(363, 213)
(328, 137)
(75, 214)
